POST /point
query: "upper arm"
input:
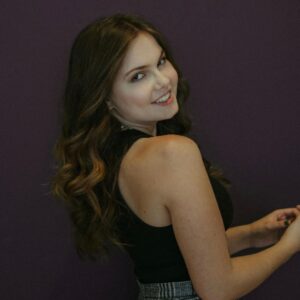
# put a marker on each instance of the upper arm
(183, 185)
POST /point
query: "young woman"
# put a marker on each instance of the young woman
(132, 177)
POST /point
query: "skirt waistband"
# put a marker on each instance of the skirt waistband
(167, 290)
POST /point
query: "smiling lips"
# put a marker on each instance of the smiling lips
(163, 99)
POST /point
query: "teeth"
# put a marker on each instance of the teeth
(163, 99)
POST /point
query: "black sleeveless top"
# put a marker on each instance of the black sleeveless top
(154, 250)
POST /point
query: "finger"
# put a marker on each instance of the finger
(281, 217)
(287, 222)
(294, 213)
(284, 223)
(289, 212)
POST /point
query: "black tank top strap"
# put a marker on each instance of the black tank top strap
(124, 140)
(120, 145)
(131, 135)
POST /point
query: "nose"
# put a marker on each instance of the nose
(162, 80)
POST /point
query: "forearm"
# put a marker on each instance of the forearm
(249, 271)
(238, 238)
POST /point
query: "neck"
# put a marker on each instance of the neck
(151, 130)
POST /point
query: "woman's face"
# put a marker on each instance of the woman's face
(145, 88)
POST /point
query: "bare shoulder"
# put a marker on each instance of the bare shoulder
(174, 163)
(150, 158)
(161, 147)
(142, 175)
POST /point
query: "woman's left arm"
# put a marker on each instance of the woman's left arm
(238, 238)
(264, 232)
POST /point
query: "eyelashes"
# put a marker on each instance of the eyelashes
(137, 77)
(140, 75)
(163, 58)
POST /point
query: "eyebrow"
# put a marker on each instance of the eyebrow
(142, 67)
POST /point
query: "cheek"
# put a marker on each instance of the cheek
(139, 93)
(173, 76)
(134, 96)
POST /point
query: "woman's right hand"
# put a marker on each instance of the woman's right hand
(291, 236)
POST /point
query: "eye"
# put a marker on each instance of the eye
(162, 61)
(137, 77)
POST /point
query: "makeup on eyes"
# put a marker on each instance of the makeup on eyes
(134, 79)
(162, 56)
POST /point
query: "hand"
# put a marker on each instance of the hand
(291, 236)
(269, 229)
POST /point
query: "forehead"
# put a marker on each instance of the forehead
(141, 51)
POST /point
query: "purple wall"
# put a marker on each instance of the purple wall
(242, 59)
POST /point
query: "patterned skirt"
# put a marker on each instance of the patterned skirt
(179, 290)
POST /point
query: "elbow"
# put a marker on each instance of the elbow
(218, 291)
(216, 295)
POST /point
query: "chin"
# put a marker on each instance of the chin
(177, 108)
(171, 115)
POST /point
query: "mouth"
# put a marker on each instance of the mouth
(163, 99)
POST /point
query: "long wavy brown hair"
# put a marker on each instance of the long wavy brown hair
(84, 179)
